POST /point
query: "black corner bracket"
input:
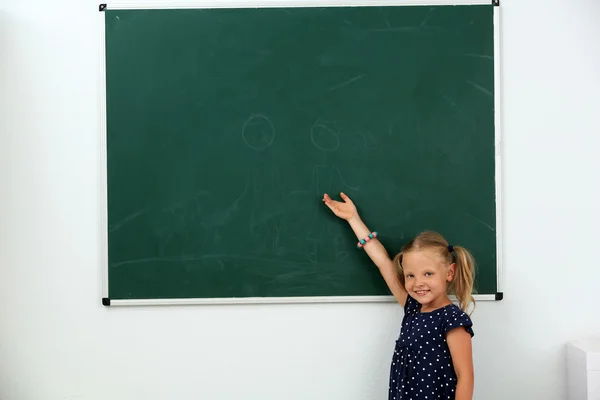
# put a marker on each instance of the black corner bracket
(105, 301)
(496, 3)
(102, 7)
(499, 296)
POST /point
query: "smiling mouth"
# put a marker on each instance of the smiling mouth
(421, 292)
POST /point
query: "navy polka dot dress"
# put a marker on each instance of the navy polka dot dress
(422, 366)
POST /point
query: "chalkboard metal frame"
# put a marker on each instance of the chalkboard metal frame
(149, 4)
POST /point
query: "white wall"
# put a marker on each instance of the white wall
(58, 343)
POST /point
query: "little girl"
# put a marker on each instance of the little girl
(432, 358)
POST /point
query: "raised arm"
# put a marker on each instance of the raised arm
(375, 250)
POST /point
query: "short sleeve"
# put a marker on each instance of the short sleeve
(456, 318)
(411, 306)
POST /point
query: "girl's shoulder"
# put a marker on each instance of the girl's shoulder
(453, 317)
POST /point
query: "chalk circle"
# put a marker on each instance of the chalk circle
(258, 132)
(324, 138)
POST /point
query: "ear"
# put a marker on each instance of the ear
(451, 272)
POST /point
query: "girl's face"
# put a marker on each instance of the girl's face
(426, 277)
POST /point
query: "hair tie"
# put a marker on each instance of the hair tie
(451, 249)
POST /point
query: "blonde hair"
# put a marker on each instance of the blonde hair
(461, 285)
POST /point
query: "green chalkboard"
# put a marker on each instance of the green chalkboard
(224, 127)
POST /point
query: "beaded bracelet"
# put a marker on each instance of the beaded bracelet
(362, 242)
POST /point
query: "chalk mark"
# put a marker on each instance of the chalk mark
(259, 222)
(118, 225)
(183, 203)
(480, 221)
(479, 56)
(276, 236)
(306, 275)
(364, 148)
(221, 217)
(314, 183)
(346, 83)
(449, 100)
(182, 259)
(250, 122)
(480, 88)
(431, 9)
(412, 28)
(313, 129)
(373, 139)
(344, 182)
(340, 256)
(312, 255)
(328, 169)
(397, 29)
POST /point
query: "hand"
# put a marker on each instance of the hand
(345, 210)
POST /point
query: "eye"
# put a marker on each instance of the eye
(428, 273)
(410, 276)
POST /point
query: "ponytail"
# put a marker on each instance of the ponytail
(462, 284)
(397, 261)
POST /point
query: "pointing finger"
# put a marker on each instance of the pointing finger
(331, 207)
